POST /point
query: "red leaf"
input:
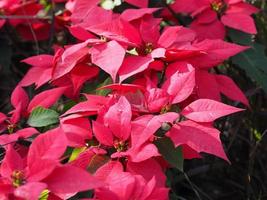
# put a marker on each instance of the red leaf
(133, 14)
(69, 179)
(119, 30)
(103, 134)
(228, 87)
(37, 75)
(89, 107)
(82, 73)
(175, 36)
(156, 99)
(11, 162)
(46, 98)
(77, 130)
(216, 30)
(71, 57)
(42, 61)
(118, 118)
(50, 145)
(109, 57)
(216, 52)
(241, 7)
(87, 13)
(26, 132)
(180, 85)
(109, 169)
(240, 22)
(140, 153)
(19, 96)
(185, 6)
(81, 10)
(198, 137)
(19, 100)
(30, 190)
(138, 3)
(207, 87)
(20, 134)
(176, 54)
(148, 169)
(133, 65)
(207, 110)
(40, 169)
(145, 126)
(80, 33)
(84, 158)
(206, 17)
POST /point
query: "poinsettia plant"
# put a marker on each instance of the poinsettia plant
(137, 92)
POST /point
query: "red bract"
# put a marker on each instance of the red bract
(131, 139)
(46, 98)
(85, 14)
(124, 185)
(6, 139)
(116, 126)
(77, 129)
(39, 30)
(109, 57)
(25, 17)
(234, 14)
(19, 100)
(206, 110)
(211, 85)
(66, 60)
(89, 107)
(142, 136)
(41, 71)
(27, 177)
(200, 138)
(216, 51)
(138, 3)
(119, 101)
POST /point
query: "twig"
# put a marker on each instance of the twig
(52, 29)
(28, 17)
(33, 33)
(236, 130)
(192, 185)
(253, 152)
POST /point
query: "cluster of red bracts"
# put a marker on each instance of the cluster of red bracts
(30, 18)
(160, 80)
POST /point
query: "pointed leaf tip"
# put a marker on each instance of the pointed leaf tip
(207, 110)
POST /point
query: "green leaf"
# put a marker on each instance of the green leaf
(170, 1)
(76, 152)
(240, 37)
(104, 92)
(254, 62)
(257, 134)
(41, 117)
(172, 155)
(44, 195)
(68, 105)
